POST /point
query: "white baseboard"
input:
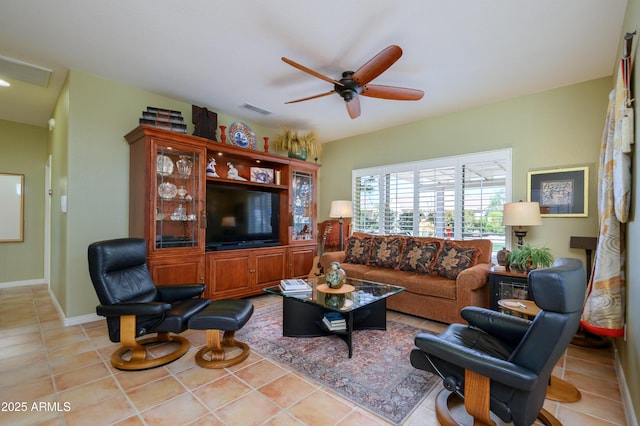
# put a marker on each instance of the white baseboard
(24, 283)
(73, 320)
(82, 319)
(627, 403)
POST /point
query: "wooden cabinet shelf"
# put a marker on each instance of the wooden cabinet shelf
(248, 183)
(168, 208)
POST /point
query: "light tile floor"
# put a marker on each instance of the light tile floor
(56, 375)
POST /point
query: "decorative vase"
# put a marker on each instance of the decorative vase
(184, 166)
(335, 300)
(266, 144)
(335, 276)
(503, 257)
(300, 155)
(223, 134)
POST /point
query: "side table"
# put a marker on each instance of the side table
(506, 284)
(558, 389)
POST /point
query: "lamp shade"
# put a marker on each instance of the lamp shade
(521, 214)
(341, 209)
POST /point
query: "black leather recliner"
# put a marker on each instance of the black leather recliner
(503, 362)
(134, 306)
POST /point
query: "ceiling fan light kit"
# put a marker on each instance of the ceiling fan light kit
(352, 84)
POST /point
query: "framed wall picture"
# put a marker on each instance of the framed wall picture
(560, 192)
(11, 208)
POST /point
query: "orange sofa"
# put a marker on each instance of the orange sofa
(440, 276)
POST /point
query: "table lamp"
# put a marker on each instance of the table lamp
(341, 209)
(521, 214)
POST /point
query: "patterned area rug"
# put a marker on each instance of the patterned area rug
(379, 376)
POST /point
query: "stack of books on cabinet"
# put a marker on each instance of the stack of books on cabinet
(164, 119)
(294, 286)
(334, 321)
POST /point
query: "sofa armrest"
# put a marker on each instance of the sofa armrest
(331, 256)
(472, 287)
(475, 277)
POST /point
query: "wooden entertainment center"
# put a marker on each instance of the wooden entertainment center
(168, 208)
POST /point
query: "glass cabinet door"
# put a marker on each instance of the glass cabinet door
(302, 196)
(178, 198)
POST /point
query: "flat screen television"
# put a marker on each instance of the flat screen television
(241, 217)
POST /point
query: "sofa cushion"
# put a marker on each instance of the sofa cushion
(454, 259)
(418, 255)
(354, 270)
(428, 285)
(386, 251)
(358, 249)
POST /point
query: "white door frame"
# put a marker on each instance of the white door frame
(48, 192)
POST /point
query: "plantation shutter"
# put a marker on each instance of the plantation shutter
(399, 203)
(483, 195)
(437, 199)
(366, 203)
(458, 197)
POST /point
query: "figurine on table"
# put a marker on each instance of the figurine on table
(233, 172)
(211, 168)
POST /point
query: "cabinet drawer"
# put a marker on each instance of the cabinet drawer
(228, 274)
(187, 270)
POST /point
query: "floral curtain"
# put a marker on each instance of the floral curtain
(603, 311)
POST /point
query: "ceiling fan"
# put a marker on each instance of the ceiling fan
(355, 83)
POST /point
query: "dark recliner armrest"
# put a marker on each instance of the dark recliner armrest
(174, 293)
(120, 309)
(496, 369)
(505, 327)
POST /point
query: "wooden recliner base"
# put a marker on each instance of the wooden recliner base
(139, 359)
(474, 410)
(215, 349)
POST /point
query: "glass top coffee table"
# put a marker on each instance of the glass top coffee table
(361, 303)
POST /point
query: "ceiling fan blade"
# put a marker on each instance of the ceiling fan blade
(377, 65)
(391, 92)
(353, 107)
(310, 71)
(311, 97)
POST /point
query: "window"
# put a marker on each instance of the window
(457, 197)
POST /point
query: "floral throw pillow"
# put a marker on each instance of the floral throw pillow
(357, 250)
(418, 256)
(385, 251)
(454, 259)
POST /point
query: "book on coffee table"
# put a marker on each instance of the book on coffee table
(334, 321)
(294, 286)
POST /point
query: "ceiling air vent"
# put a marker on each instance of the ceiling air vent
(256, 109)
(11, 68)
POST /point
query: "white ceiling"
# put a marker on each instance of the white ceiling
(223, 54)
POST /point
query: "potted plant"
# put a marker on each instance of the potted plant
(298, 145)
(527, 257)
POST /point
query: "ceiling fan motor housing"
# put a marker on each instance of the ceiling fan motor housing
(349, 88)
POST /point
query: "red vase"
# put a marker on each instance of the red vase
(266, 144)
(223, 134)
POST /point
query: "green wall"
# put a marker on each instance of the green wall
(24, 151)
(552, 129)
